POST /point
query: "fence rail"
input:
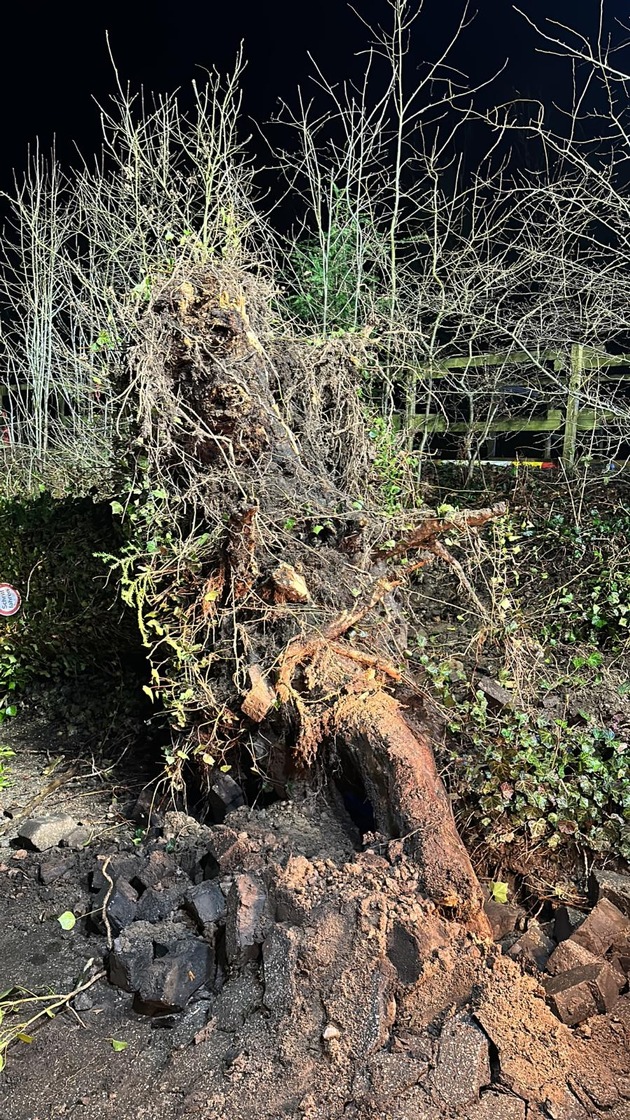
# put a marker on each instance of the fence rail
(569, 421)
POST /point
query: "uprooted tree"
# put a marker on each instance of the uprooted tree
(281, 626)
(152, 361)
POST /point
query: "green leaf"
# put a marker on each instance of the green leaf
(24, 1037)
(67, 920)
(116, 507)
(118, 1046)
(499, 892)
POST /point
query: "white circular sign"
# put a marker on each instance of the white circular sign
(10, 601)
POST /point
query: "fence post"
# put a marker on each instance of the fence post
(573, 404)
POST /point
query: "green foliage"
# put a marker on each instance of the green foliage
(395, 468)
(532, 773)
(70, 632)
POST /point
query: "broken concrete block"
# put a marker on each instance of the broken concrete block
(131, 955)
(245, 922)
(463, 1062)
(46, 832)
(260, 698)
(569, 955)
(581, 992)
(533, 948)
(171, 980)
(224, 796)
(611, 885)
(497, 1106)
(604, 926)
(206, 902)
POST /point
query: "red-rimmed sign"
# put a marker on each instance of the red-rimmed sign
(10, 600)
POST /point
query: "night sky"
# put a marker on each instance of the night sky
(55, 54)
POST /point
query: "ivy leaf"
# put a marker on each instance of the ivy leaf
(499, 892)
(117, 1045)
(67, 920)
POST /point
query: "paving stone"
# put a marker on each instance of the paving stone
(581, 992)
(604, 927)
(246, 919)
(463, 1062)
(206, 902)
(611, 885)
(533, 949)
(566, 920)
(46, 832)
(170, 981)
(568, 955)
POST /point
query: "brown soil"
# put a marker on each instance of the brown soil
(343, 1015)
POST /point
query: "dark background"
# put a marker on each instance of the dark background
(55, 57)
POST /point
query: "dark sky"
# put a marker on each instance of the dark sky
(55, 56)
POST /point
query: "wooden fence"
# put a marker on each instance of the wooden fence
(568, 421)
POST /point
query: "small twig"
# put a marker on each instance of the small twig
(28, 808)
(108, 895)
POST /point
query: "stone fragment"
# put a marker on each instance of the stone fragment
(131, 956)
(206, 902)
(533, 948)
(568, 955)
(245, 923)
(495, 691)
(79, 838)
(171, 980)
(289, 586)
(613, 886)
(158, 867)
(504, 917)
(55, 868)
(566, 920)
(46, 832)
(145, 812)
(224, 796)
(497, 1106)
(121, 866)
(121, 906)
(225, 852)
(280, 950)
(260, 698)
(463, 1062)
(581, 992)
(604, 926)
(159, 902)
